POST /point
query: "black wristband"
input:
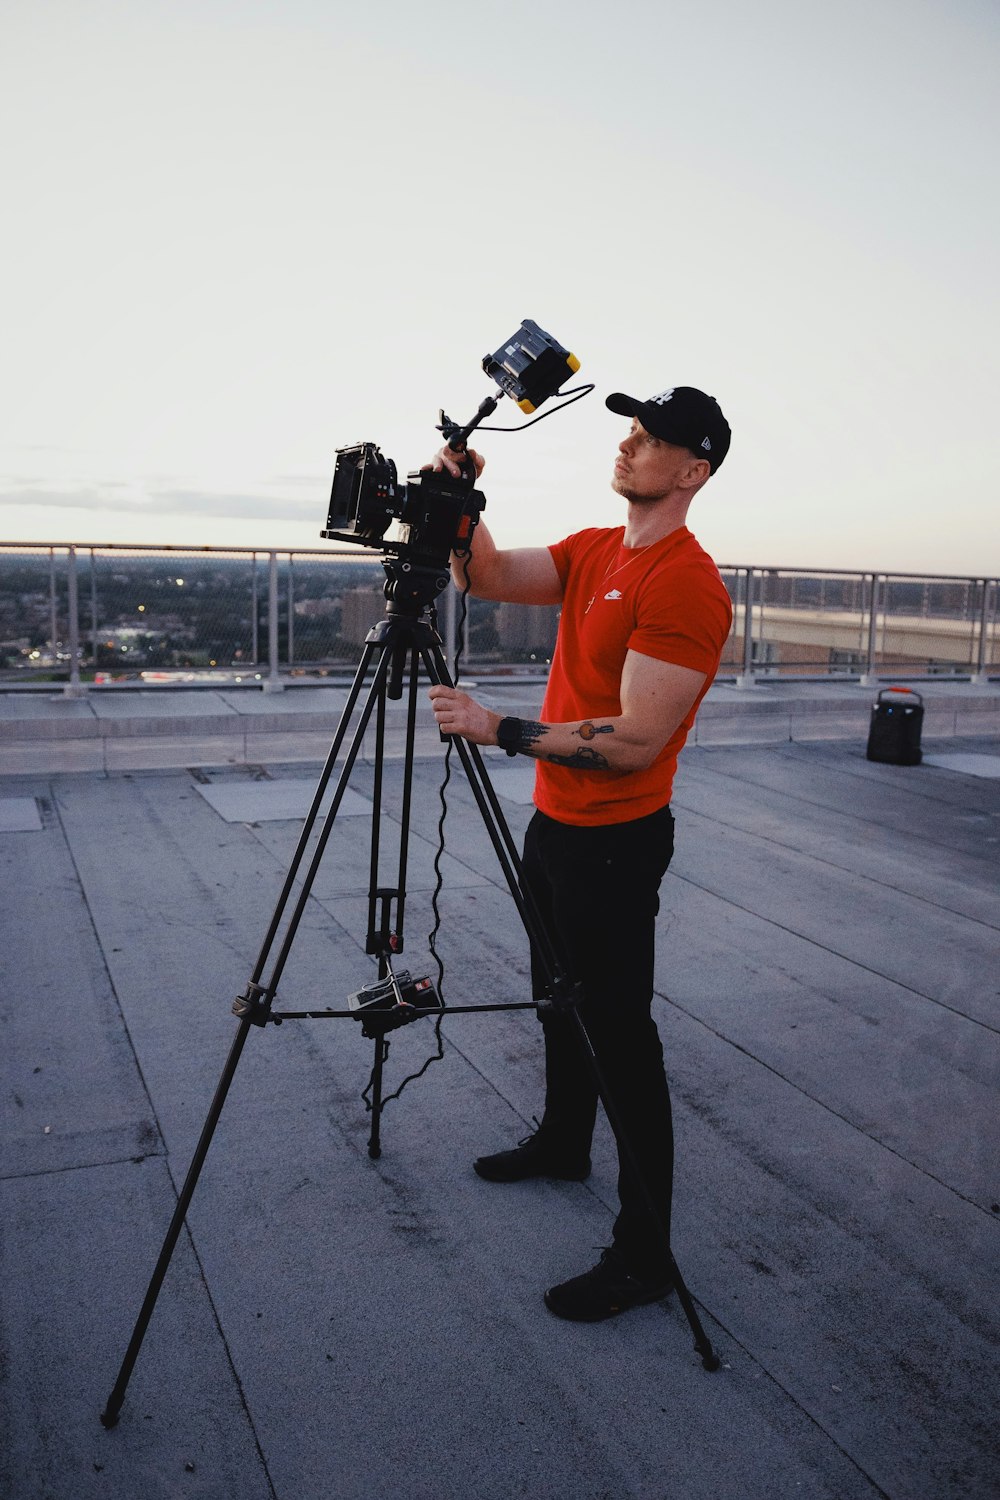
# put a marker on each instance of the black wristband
(509, 735)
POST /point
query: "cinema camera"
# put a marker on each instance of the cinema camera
(437, 514)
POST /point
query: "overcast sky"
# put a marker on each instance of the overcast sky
(239, 235)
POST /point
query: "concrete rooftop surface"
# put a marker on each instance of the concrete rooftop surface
(337, 1328)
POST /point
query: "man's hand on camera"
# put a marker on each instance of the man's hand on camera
(446, 458)
(457, 713)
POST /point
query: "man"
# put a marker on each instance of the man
(644, 619)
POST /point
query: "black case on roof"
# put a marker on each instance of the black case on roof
(894, 734)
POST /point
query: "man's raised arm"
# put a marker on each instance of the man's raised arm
(519, 575)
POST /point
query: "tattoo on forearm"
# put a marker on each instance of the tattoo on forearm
(582, 759)
(531, 733)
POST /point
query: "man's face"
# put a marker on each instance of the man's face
(647, 468)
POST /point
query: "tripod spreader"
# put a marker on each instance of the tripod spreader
(564, 995)
(255, 1005)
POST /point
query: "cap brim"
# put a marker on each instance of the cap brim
(623, 406)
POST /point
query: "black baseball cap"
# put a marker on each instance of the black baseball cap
(683, 416)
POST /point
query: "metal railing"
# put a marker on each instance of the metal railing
(798, 622)
(115, 614)
(159, 616)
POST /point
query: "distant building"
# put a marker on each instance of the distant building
(316, 609)
(527, 628)
(360, 609)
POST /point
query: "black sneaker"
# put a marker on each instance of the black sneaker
(605, 1291)
(535, 1156)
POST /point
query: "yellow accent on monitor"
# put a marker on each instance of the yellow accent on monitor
(526, 406)
(573, 362)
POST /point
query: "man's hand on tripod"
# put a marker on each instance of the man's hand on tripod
(458, 714)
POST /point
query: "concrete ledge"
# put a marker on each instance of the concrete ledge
(163, 752)
(771, 712)
(28, 757)
(150, 728)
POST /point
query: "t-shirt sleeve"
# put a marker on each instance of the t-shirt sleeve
(687, 624)
(562, 556)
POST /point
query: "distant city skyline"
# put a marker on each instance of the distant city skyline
(238, 237)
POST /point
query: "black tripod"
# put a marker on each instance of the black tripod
(399, 643)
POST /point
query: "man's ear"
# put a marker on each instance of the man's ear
(697, 471)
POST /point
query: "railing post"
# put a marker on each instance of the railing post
(746, 678)
(73, 688)
(255, 614)
(291, 614)
(463, 640)
(53, 622)
(450, 625)
(869, 677)
(93, 613)
(274, 683)
(981, 674)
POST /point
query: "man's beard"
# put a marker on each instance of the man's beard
(623, 488)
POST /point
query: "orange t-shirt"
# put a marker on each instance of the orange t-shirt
(667, 601)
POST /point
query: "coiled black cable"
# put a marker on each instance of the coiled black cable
(438, 1053)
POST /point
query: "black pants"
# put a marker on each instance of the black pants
(596, 892)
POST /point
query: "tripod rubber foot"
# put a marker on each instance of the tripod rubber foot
(709, 1360)
(374, 1151)
(109, 1419)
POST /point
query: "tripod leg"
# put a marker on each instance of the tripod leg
(313, 813)
(376, 694)
(497, 828)
(375, 1139)
(109, 1416)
